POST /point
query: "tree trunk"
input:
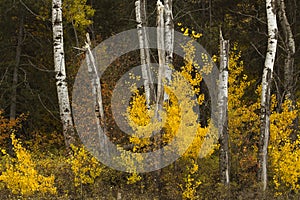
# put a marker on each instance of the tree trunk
(169, 42)
(265, 95)
(289, 44)
(13, 105)
(97, 92)
(223, 110)
(61, 82)
(161, 57)
(141, 18)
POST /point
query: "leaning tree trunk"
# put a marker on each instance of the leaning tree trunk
(223, 108)
(13, 105)
(61, 82)
(169, 42)
(97, 92)
(265, 95)
(289, 44)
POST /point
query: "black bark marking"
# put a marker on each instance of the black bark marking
(59, 74)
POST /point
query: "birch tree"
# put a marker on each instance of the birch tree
(61, 76)
(265, 95)
(289, 44)
(141, 19)
(223, 110)
(97, 92)
(169, 42)
(161, 56)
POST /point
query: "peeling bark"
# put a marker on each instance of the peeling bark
(223, 111)
(266, 94)
(61, 76)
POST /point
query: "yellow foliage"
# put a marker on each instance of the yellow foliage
(178, 119)
(20, 175)
(85, 167)
(190, 182)
(244, 122)
(133, 178)
(284, 153)
(77, 12)
(189, 32)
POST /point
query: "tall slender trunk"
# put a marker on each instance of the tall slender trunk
(61, 76)
(141, 18)
(289, 44)
(223, 110)
(13, 105)
(75, 34)
(266, 94)
(169, 42)
(96, 84)
(161, 57)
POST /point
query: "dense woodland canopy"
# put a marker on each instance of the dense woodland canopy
(34, 160)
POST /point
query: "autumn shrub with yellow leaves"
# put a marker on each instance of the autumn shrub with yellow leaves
(284, 150)
(182, 90)
(244, 131)
(20, 175)
(85, 167)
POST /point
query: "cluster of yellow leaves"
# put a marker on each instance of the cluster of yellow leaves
(240, 112)
(21, 176)
(189, 32)
(284, 152)
(85, 167)
(133, 178)
(78, 12)
(190, 182)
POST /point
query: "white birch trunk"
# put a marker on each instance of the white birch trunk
(161, 57)
(140, 10)
(223, 110)
(59, 65)
(13, 105)
(169, 42)
(290, 50)
(266, 96)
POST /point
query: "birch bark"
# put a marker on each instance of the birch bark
(59, 66)
(169, 42)
(96, 85)
(223, 110)
(266, 96)
(161, 57)
(141, 18)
